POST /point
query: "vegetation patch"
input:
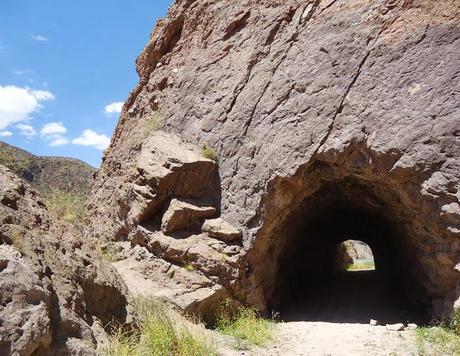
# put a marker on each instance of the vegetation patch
(70, 206)
(440, 339)
(16, 162)
(159, 331)
(361, 266)
(152, 123)
(110, 252)
(245, 325)
(209, 153)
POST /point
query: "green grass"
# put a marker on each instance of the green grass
(69, 206)
(110, 252)
(361, 266)
(440, 339)
(188, 267)
(209, 153)
(159, 332)
(245, 325)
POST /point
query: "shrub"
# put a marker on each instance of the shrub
(160, 331)
(69, 206)
(209, 152)
(245, 325)
(151, 123)
(110, 252)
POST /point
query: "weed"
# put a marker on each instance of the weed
(110, 252)
(245, 325)
(152, 123)
(442, 338)
(69, 206)
(209, 153)
(188, 267)
(160, 331)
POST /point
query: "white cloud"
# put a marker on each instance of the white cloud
(26, 130)
(114, 108)
(54, 133)
(6, 133)
(59, 141)
(17, 104)
(52, 129)
(92, 139)
(22, 71)
(40, 38)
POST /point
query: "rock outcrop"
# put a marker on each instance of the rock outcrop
(56, 293)
(311, 107)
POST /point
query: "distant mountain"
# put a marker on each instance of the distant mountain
(48, 173)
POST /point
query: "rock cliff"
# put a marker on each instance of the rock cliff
(56, 293)
(317, 110)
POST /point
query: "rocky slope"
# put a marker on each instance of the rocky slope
(48, 173)
(318, 110)
(56, 293)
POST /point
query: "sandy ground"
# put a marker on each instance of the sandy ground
(335, 339)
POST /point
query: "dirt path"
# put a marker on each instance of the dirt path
(335, 339)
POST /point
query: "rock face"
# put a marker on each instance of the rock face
(317, 110)
(56, 294)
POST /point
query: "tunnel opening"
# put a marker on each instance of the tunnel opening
(295, 263)
(354, 256)
(311, 285)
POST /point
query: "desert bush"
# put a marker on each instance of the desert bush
(245, 325)
(160, 331)
(209, 152)
(69, 206)
(152, 123)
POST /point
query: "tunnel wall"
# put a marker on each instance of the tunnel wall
(410, 232)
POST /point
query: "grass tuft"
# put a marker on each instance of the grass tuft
(160, 331)
(245, 325)
(209, 153)
(69, 206)
(152, 123)
(440, 339)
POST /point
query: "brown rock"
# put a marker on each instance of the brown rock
(319, 112)
(221, 230)
(53, 285)
(184, 216)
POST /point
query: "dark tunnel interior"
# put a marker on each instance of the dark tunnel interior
(311, 286)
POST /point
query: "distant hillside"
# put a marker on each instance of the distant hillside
(48, 173)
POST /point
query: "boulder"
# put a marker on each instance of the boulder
(184, 216)
(221, 230)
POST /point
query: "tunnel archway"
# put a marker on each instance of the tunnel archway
(304, 217)
(310, 284)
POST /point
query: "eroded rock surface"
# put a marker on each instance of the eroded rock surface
(310, 106)
(56, 293)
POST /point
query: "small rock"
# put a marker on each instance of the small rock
(175, 70)
(373, 322)
(395, 327)
(411, 326)
(221, 230)
(182, 216)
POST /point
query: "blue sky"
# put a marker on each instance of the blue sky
(62, 65)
